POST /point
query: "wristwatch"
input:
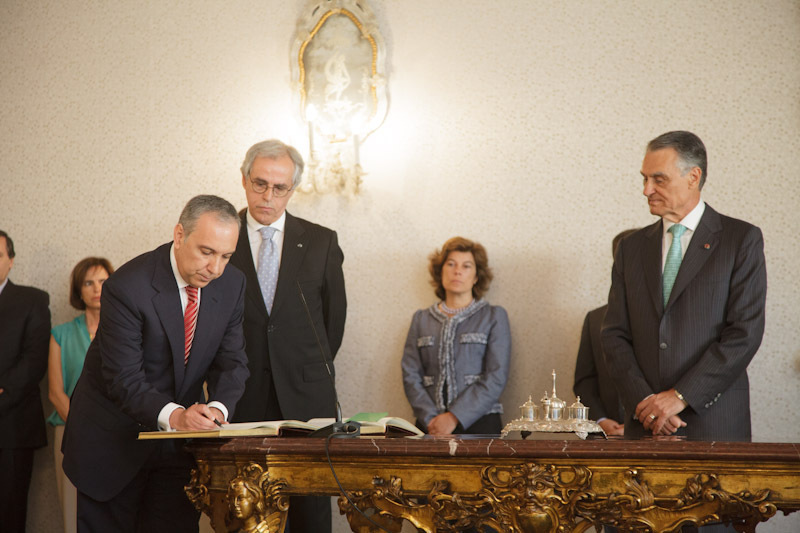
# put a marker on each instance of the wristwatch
(680, 397)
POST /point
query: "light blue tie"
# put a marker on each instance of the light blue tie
(673, 263)
(267, 266)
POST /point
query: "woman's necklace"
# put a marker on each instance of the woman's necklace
(452, 311)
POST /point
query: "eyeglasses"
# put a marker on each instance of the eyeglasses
(278, 191)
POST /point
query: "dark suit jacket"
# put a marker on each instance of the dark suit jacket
(135, 367)
(703, 340)
(593, 383)
(281, 348)
(24, 342)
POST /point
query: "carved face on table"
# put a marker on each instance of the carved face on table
(247, 507)
(242, 501)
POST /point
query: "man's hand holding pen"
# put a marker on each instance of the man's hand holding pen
(196, 417)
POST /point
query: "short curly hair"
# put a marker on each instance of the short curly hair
(79, 275)
(460, 244)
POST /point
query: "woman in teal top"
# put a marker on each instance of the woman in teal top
(68, 345)
(72, 341)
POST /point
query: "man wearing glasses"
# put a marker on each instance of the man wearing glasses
(282, 255)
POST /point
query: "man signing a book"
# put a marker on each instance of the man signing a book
(172, 319)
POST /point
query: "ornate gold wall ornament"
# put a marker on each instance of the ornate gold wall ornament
(338, 69)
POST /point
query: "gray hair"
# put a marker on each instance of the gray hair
(273, 149)
(207, 203)
(691, 151)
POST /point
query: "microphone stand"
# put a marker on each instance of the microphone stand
(338, 429)
(349, 429)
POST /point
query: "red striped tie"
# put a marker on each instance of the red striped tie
(189, 321)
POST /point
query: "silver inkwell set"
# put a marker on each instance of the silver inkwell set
(552, 420)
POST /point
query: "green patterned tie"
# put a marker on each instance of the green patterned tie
(673, 263)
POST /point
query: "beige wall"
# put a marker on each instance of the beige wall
(518, 124)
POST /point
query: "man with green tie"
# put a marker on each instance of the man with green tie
(686, 307)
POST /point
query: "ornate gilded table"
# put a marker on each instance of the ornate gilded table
(449, 484)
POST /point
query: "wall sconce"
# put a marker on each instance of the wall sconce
(338, 68)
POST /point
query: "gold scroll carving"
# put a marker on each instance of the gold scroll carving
(197, 489)
(701, 501)
(520, 498)
(505, 486)
(548, 498)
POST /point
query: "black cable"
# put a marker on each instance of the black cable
(341, 489)
(351, 428)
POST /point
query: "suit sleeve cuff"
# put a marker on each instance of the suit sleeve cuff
(163, 416)
(222, 408)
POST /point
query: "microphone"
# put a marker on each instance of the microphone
(350, 429)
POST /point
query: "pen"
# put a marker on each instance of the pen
(217, 422)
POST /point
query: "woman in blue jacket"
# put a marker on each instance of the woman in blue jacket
(456, 358)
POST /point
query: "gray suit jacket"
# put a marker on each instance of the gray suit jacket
(474, 350)
(701, 342)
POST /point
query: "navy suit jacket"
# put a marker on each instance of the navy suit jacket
(593, 383)
(281, 348)
(24, 341)
(134, 367)
(701, 342)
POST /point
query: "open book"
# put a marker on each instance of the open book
(388, 426)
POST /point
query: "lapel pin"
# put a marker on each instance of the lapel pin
(707, 246)
(300, 245)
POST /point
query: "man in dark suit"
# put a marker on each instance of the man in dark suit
(172, 320)
(280, 254)
(593, 383)
(685, 313)
(24, 337)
